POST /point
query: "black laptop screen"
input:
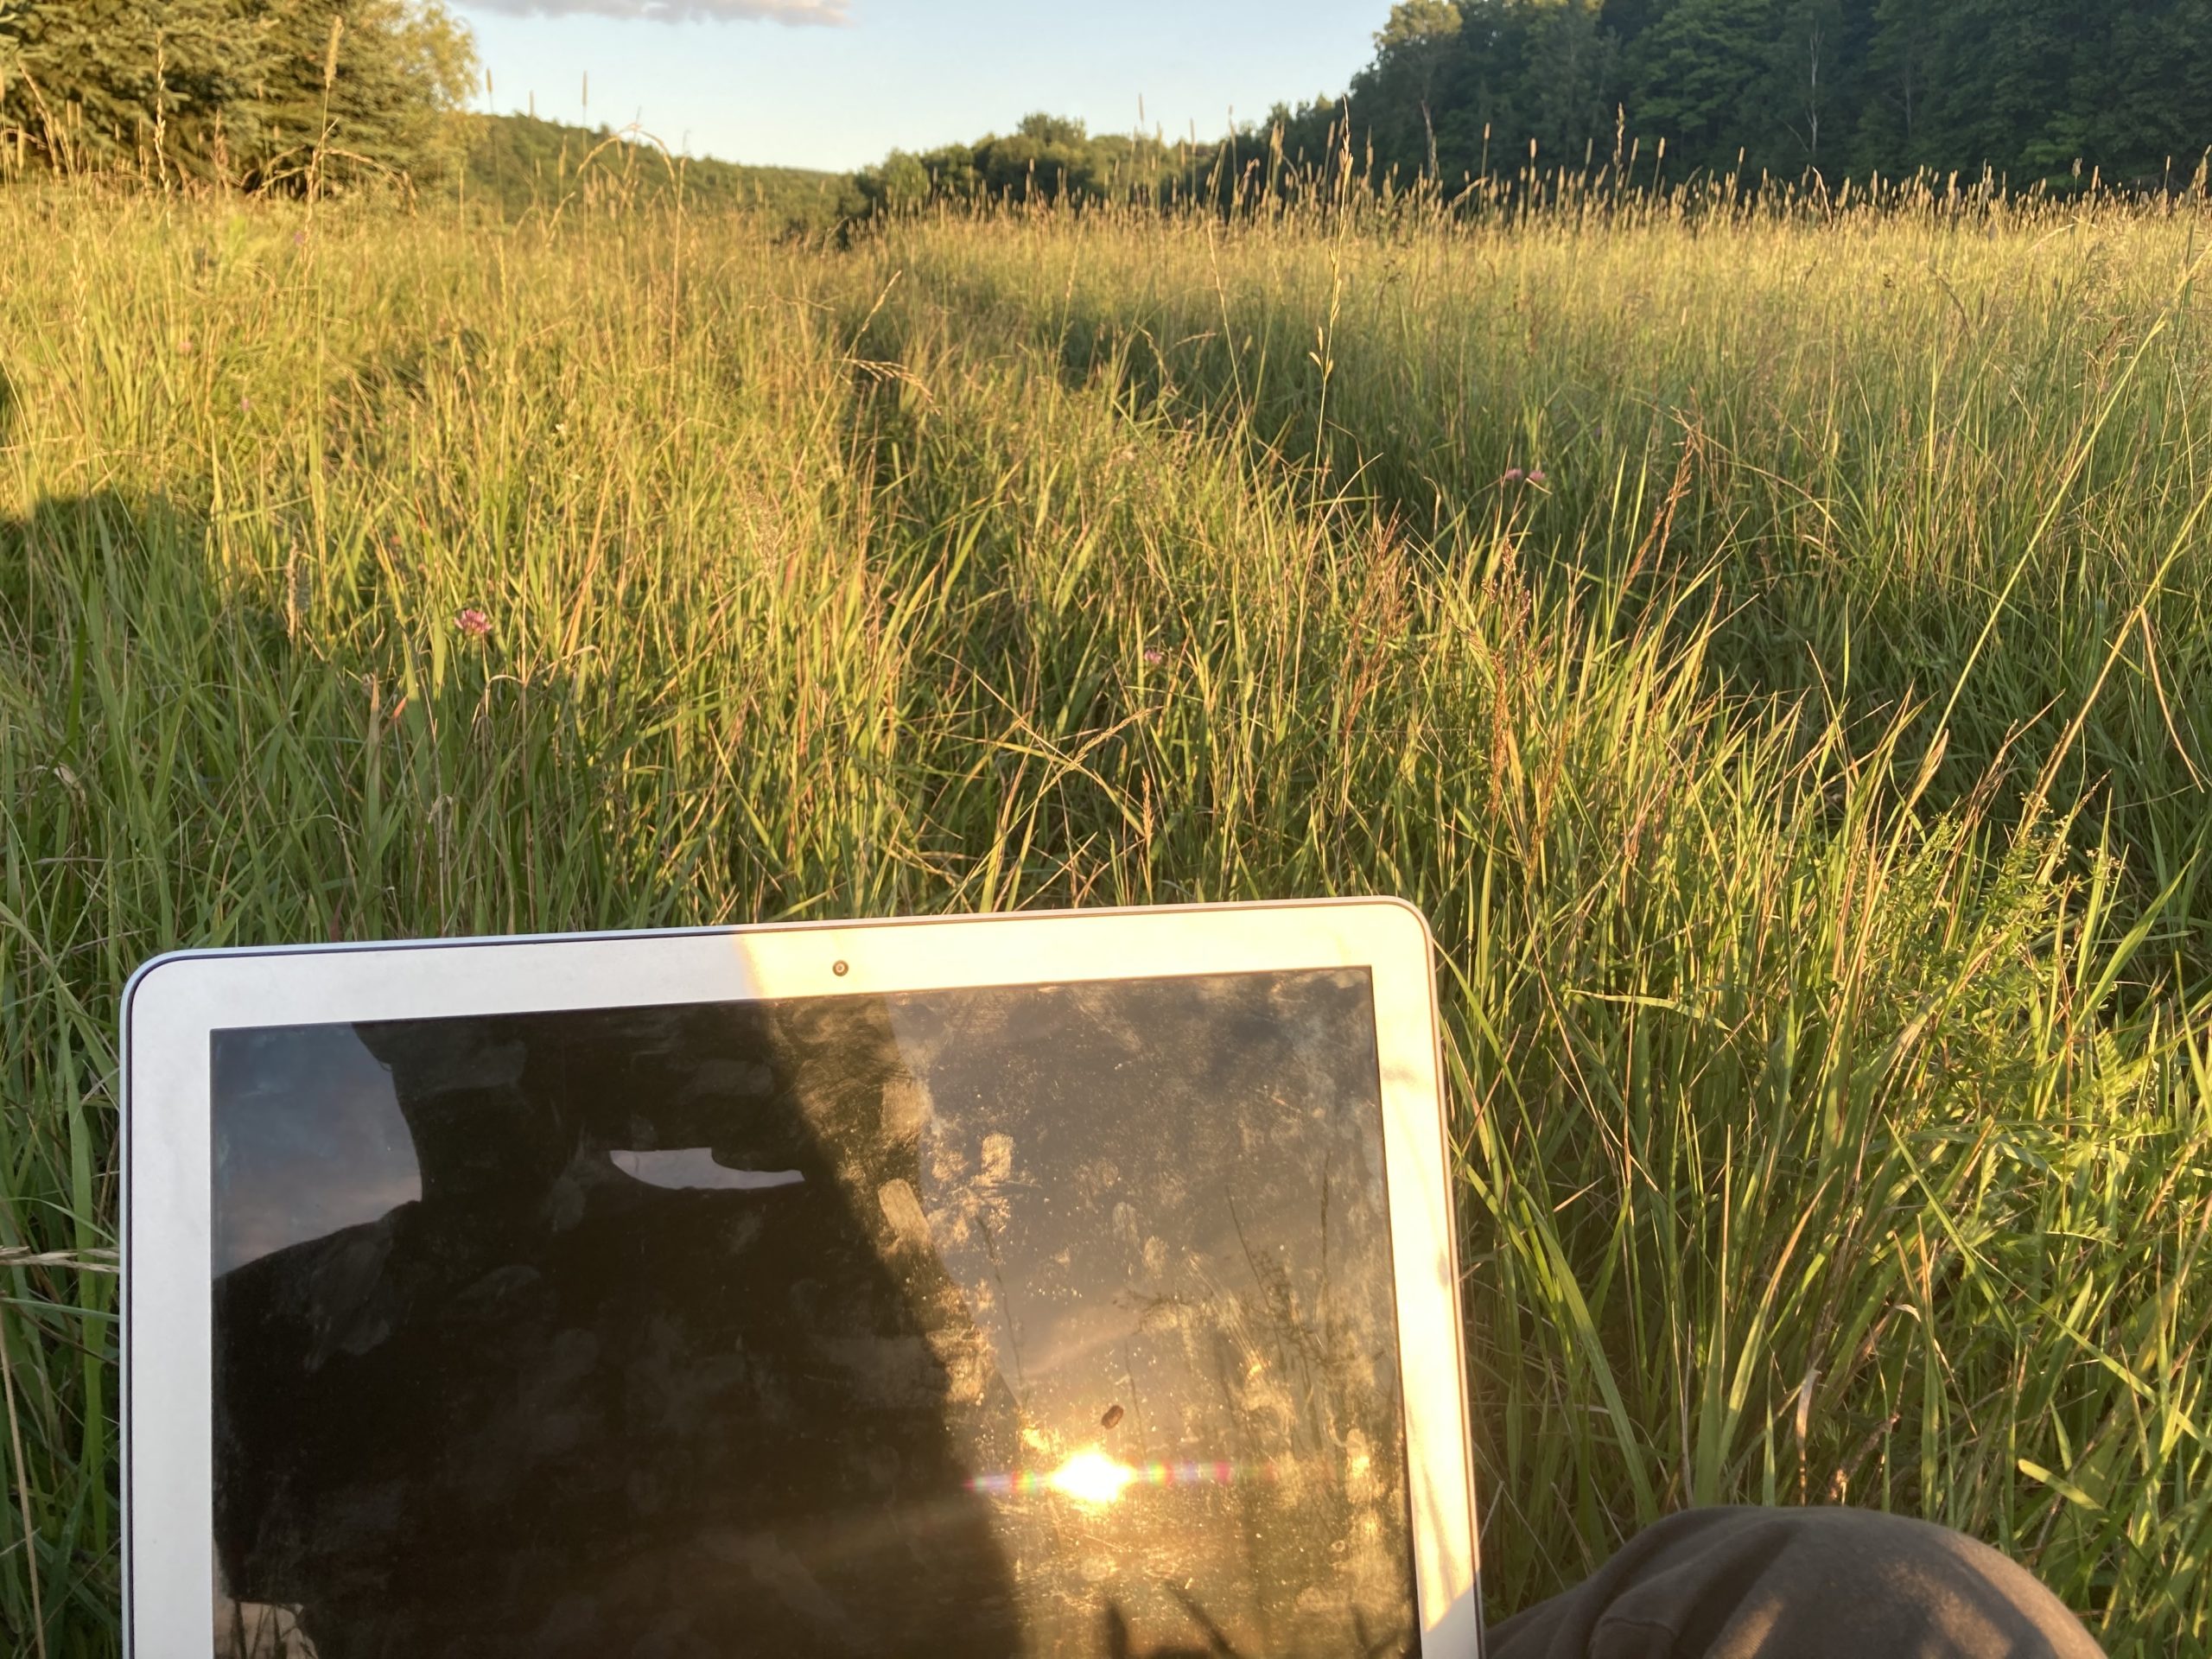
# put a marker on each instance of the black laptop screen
(1043, 1320)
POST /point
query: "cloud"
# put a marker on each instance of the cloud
(833, 14)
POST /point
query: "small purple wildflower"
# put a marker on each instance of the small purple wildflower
(1536, 475)
(473, 622)
(1153, 657)
(1513, 475)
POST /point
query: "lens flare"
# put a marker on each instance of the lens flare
(1092, 1478)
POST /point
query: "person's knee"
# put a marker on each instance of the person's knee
(1752, 1583)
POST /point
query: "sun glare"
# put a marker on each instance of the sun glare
(1092, 1478)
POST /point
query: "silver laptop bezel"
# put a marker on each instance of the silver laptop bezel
(174, 1004)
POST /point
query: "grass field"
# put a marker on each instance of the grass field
(1806, 776)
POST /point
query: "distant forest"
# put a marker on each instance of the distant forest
(302, 95)
(516, 162)
(2026, 88)
(1458, 90)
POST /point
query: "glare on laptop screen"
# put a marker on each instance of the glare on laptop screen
(1043, 1320)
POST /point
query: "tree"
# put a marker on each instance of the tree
(1999, 75)
(1840, 87)
(1701, 79)
(2023, 86)
(899, 183)
(360, 89)
(262, 92)
(1808, 65)
(1413, 53)
(1571, 64)
(111, 83)
(2146, 93)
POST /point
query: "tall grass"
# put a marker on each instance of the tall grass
(1806, 779)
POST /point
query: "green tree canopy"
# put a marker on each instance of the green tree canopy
(2023, 87)
(1047, 157)
(261, 93)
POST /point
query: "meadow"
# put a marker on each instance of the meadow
(1770, 646)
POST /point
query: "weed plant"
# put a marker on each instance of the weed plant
(1769, 642)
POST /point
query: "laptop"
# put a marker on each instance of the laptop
(1043, 1285)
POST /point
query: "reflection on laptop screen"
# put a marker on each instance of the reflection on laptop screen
(1046, 1320)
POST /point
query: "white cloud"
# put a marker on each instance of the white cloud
(833, 14)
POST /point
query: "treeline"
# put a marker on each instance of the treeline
(258, 93)
(519, 163)
(2026, 89)
(1663, 92)
(290, 93)
(1047, 158)
(274, 94)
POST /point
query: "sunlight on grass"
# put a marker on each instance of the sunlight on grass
(1771, 648)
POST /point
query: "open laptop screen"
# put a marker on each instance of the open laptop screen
(1043, 1319)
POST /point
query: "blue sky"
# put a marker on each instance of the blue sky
(837, 83)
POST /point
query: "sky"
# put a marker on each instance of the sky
(838, 83)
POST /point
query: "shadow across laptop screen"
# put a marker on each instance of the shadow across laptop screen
(1041, 1320)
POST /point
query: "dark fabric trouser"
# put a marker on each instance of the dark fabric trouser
(1799, 1584)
